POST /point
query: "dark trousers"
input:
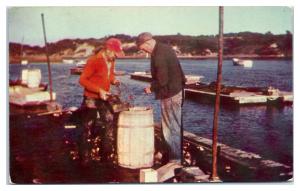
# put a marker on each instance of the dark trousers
(98, 134)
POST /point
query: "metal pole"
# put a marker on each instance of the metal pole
(48, 60)
(214, 175)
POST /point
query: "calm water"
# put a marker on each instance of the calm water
(266, 130)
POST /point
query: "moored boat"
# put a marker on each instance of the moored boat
(29, 91)
(76, 70)
(24, 62)
(240, 62)
(68, 61)
(79, 66)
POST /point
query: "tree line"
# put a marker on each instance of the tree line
(234, 43)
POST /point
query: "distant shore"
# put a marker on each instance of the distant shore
(59, 59)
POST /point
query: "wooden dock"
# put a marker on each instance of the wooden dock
(31, 156)
(231, 95)
(146, 77)
(233, 163)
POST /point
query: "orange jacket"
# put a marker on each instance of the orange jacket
(95, 76)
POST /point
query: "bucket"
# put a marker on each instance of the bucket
(135, 138)
(34, 78)
(24, 75)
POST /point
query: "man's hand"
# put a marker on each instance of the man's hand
(147, 90)
(116, 82)
(103, 94)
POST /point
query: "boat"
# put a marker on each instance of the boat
(24, 62)
(79, 66)
(76, 70)
(240, 62)
(29, 91)
(80, 63)
(68, 61)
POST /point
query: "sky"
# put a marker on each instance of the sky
(97, 22)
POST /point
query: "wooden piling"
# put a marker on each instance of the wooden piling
(214, 175)
(48, 60)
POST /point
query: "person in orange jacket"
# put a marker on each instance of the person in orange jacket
(96, 78)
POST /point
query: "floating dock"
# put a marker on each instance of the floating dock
(146, 77)
(232, 95)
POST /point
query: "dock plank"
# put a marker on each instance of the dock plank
(167, 171)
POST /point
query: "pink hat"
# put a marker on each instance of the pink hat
(115, 45)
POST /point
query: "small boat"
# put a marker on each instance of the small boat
(68, 61)
(245, 63)
(77, 70)
(24, 62)
(80, 63)
(29, 91)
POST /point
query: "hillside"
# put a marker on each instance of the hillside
(244, 44)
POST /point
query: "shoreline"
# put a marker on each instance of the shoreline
(55, 59)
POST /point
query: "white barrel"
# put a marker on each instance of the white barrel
(34, 78)
(135, 138)
(24, 75)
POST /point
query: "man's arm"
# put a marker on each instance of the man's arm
(84, 81)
